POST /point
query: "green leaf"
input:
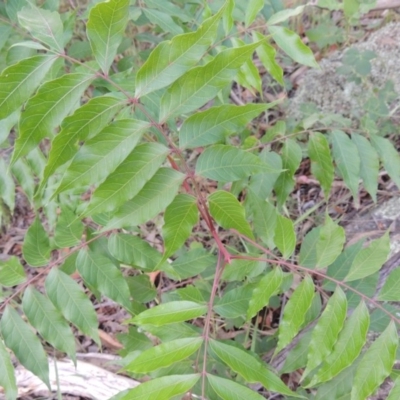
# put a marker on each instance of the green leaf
(369, 164)
(213, 125)
(43, 112)
(23, 173)
(105, 28)
(11, 272)
(205, 82)
(295, 312)
(327, 330)
(179, 218)
(7, 186)
(228, 212)
(19, 337)
(134, 251)
(141, 288)
(128, 179)
(86, 121)
(389, 156)
(49, 322)
(69, 230)
(227, 389)
(291, 158)
(347, 160)
(72, 302)
(102, 154)
(234, 303)
(169, 313)
(249, 367)
(370, 259)
(253, 8)
(171, 59)
(285, 236)
(266, 54)
(36, 248)
(19, 81)
(99, 272)
(351, 340)
(153, 198)
(7, 377)
(376, 364)
(267, 287)
(321, 161)
(296, 358)
(164, 21)
(44, 25)
(293, 46)
(239, 269)
(390, 290)
(330, 243)
(395, 391)
(227, 163)
(164, 388)
(164, 355)
(284, 15)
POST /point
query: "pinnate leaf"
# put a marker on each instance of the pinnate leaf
(44, 25)
(134, 251)
(12, 273)
(213, 125)
(105, 28)
(53, 101)
(293, 46)
(99, 272)
(169, 313)
(128, 179)
(227, 163)
(19, 337)
(228, 212)
(156, 194)
(164, 388)
(369, 164)
(390, 290)
(171, 59)
(249, 367)
(102, 154)
(230, 390)
(86, 121)
(72, 302)
(42, 314)
(164, 355)
(376, 364)
(285, 236)
(347, 160)
(19, 81)
(284, 15)
(327, 330)
(321, 161)
(7, 376)
(205, 82)
(179, 218)
(330, 243)
(36, 248)
(395, 391)
(350, 342)
(295, 312)
(69, 229)
(267, 287)
(370, 259)
(252, 10)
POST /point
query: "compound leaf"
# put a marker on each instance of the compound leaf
(7, 376)
(285, 236)
(390, 290)
(12, 273)
(228, 212)
(72, 302)
(69, 229)
(105, 28)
